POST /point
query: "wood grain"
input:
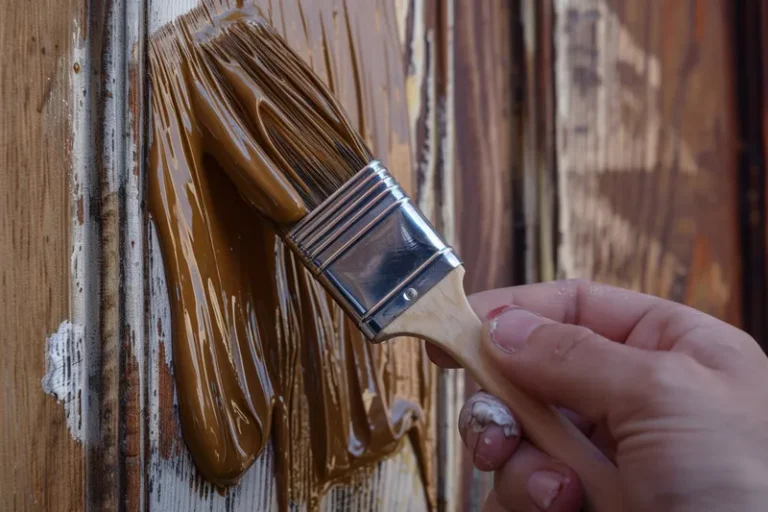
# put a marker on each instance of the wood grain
(43, 464)
(483, 84)
(539, 172)
(427, 30)
(485, 80)
(646, 150)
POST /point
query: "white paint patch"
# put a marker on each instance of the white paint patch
(483, 410)
(65, 373)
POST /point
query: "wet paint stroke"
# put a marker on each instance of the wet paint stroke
(260, 352)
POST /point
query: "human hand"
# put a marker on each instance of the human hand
(676, 398)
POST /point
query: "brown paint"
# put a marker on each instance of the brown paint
(258, 347)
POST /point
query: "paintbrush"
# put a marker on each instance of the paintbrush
(355, 229)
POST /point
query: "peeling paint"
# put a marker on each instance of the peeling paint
(65, 373)
(71, 353)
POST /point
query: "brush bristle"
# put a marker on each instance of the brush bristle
(296, 119)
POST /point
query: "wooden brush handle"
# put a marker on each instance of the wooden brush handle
(444, 317)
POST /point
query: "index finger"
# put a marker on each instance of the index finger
(608, 311)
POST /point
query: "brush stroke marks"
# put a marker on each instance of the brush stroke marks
(258, 347)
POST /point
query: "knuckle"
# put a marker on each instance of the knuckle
(667, 377)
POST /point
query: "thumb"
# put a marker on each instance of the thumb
(566, 365)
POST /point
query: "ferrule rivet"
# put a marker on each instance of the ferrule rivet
(410, 294)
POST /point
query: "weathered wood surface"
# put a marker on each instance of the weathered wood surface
(537, 195)
(44, 213)
(171, 482)
(646, 150)
(426, 37)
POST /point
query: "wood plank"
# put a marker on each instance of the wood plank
(45, 218)
(539, 174)
(427, 30)
(646, 149)
(485, 81)
(120, 108)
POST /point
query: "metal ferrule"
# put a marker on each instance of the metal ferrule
(372, 249)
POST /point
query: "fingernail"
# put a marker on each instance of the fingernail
(510, 329)
(484, 409)
(544, 486)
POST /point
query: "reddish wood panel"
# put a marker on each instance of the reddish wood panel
(483, 96)
(483, 80)
(646, 151)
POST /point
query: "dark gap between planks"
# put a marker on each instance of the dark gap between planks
(748, 35)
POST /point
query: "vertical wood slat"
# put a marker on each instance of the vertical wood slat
(427, 38)
(646, 149)
(45, 221)
(484, 133)
(121, 109)
(485, 82)
(539, 174)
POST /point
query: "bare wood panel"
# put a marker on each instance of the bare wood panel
(539, 174)
(645, 149)
(483, 91)
(43, 464)
(483, 130)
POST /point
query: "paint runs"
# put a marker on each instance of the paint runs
(259, 349)
(482, 410)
